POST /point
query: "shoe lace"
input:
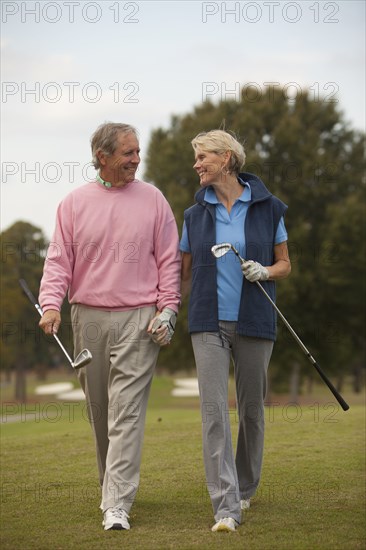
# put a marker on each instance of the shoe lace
(119, 513)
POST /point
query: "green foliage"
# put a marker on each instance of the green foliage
(344, 296)
(23, 344)
(310, 158)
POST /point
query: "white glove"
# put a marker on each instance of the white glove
(166, 318)
(254, 271)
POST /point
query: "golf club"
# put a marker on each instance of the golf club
(83, 358)
(220, 250)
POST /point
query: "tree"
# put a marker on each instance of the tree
(23, 251)
(345, 296)
(309, 157)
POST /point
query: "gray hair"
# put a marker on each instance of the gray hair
(220, 141)
(105, 137)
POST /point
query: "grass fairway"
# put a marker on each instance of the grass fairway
(312, 493)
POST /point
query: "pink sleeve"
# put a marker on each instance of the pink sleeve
(167, 256)
(58, 266)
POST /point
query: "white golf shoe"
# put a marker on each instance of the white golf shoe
(115, 518)
(245, 504)
(225, 524)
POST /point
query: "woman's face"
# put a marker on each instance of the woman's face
(209, 167)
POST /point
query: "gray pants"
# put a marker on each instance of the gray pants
(116, 385)
(231, 479)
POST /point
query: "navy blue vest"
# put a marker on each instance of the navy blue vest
(257, 317)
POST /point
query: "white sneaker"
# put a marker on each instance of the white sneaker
(225, 524)
(115, 518)
(245, 504)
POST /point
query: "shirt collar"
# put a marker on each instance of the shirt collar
(246, 196)
(101, 181)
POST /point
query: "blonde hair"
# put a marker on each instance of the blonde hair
(220, 141)
(105, 138)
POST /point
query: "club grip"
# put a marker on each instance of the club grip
(26, 290)
(336, 394)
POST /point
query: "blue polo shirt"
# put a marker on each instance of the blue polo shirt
(229, 229)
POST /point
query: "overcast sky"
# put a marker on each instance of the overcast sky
(68, 66)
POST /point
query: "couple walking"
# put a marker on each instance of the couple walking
(119, 259)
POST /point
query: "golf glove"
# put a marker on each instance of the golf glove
(254, 271)
(167, 318)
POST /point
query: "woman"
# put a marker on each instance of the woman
(229, 317)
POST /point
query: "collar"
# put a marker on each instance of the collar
(246, 196)
(259, 191)
(105, 183)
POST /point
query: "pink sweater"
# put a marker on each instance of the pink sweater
(114, 248)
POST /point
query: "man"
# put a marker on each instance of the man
(115, 250)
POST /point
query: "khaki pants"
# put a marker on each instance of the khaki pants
(116, 385)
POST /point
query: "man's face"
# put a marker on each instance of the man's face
(120, 168)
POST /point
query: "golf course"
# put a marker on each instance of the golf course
(311, 496)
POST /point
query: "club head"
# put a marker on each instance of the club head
(82, 359)
(221, 249)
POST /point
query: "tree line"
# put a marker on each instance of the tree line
(308, 155)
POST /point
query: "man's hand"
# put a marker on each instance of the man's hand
(50, 321)
(162, 326)
(254, 271)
